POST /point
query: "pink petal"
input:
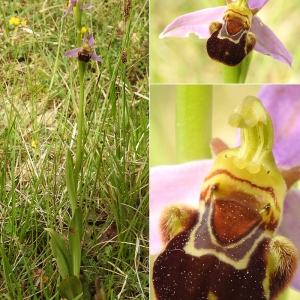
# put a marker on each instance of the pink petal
(90, 38)
(95, 57)
(67, 12)
(73, 52)
(174, 184)
(85, 8)
(257, 3)
(269, 44)
(290, 225)
(196, 22)
(283, 104)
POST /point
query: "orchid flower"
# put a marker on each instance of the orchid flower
(73, 4)
(84, 53)
(182, 183)
(233, 31)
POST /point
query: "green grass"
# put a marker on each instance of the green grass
(39, 91)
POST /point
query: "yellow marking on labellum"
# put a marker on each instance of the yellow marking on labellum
(237, 264)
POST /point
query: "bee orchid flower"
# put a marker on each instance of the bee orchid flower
(181, 184)
(233, 31)
(84, 53)
(73, 4)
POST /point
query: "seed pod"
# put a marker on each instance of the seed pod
(127, 9)
(124, 56)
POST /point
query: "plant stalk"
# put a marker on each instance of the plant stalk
(193, 122)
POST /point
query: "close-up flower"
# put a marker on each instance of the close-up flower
(181, 184)
(228, 34)
(73, 4)
(84, 53)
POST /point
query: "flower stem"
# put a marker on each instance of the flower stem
(78, 23)
(193, 122)
(237, 74)
(80, 124)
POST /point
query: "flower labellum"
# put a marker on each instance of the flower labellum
(230, 41)
(227, 249)
(84, 53)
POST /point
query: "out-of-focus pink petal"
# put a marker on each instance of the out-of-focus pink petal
(196, 22)
(269, 44)
(73, 52)
(283, 104)
(96, 57)
(290, 225)
(174, 184)
(85, 8)
(90, 38)
(257, 3)
(67, 12)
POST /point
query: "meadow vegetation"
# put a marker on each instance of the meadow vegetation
(39, 92)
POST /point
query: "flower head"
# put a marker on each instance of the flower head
(73, 4)
(233, 31)
(182, 183)
(84, 53)
(84, 30)
(16, 21)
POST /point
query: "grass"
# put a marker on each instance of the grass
(39, 94)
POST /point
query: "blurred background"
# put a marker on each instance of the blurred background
(162, 118)
(184, 60)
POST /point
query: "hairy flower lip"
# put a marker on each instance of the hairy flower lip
(198, 22)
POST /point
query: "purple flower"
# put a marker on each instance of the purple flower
(223, 37)
(73, 4)
(84, 53)
(182, 183)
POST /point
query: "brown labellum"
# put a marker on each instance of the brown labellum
(230, 42)
(84, 56)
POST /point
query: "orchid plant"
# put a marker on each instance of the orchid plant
(171, 185)
(233, 32)
(69, 260)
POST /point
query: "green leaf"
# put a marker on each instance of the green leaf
(128, 85)
(70, 182)
(75, 236)
(70, 288)
(61, 253)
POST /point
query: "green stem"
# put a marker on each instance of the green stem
(80, 124)
(237, 74)
(78, 23)
(193, 122)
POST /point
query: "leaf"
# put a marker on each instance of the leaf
(75, 236)
(70, 182)
(61, 253)
(70, 288)
(128, 85)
